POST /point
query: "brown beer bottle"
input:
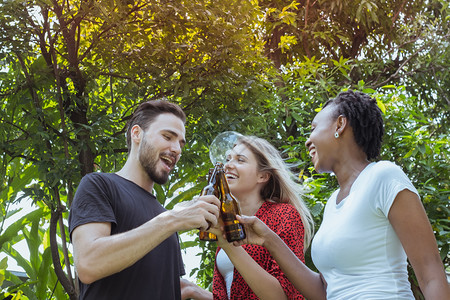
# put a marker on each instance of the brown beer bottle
(210, 189)
(234, 230)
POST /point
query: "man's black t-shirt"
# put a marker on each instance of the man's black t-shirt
(105, 197)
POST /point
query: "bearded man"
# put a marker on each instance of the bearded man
(125, 242)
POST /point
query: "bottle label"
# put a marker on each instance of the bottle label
(234, 232)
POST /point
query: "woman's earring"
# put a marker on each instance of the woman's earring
(336, 134)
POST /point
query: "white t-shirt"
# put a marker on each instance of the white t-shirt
(356, 248)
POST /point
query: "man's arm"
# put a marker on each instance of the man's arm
(98, 254)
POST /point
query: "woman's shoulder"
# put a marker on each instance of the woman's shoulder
(274, 209)
(385, 164)
(283, 219)
(386, 168)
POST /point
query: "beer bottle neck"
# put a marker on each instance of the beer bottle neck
(213, 174)
(224, 187)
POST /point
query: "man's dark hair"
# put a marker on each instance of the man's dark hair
(146, 113)
(364, 117)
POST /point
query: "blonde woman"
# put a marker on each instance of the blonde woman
(263, 184)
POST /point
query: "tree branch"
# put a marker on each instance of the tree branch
(68, 286)
(395, 75)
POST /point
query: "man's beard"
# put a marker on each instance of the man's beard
(148, 157)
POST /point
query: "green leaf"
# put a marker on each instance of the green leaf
(16, 227)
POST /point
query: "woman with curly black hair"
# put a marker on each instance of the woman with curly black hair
(372, 224)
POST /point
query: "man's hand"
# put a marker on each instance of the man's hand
(201, 212)
(219, 231)
(190, 290)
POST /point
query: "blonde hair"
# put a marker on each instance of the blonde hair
(281, 186)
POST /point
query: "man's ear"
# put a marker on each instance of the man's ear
(136, 134)
(263, 177)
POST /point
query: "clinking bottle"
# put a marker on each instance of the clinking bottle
(211, 189)
(234, 230)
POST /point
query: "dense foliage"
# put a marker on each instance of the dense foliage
(73, 71)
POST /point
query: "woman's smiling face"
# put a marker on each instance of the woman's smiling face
(241, 170)
(321, 141)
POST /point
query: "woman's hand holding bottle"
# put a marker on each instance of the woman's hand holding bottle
(258, 233)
